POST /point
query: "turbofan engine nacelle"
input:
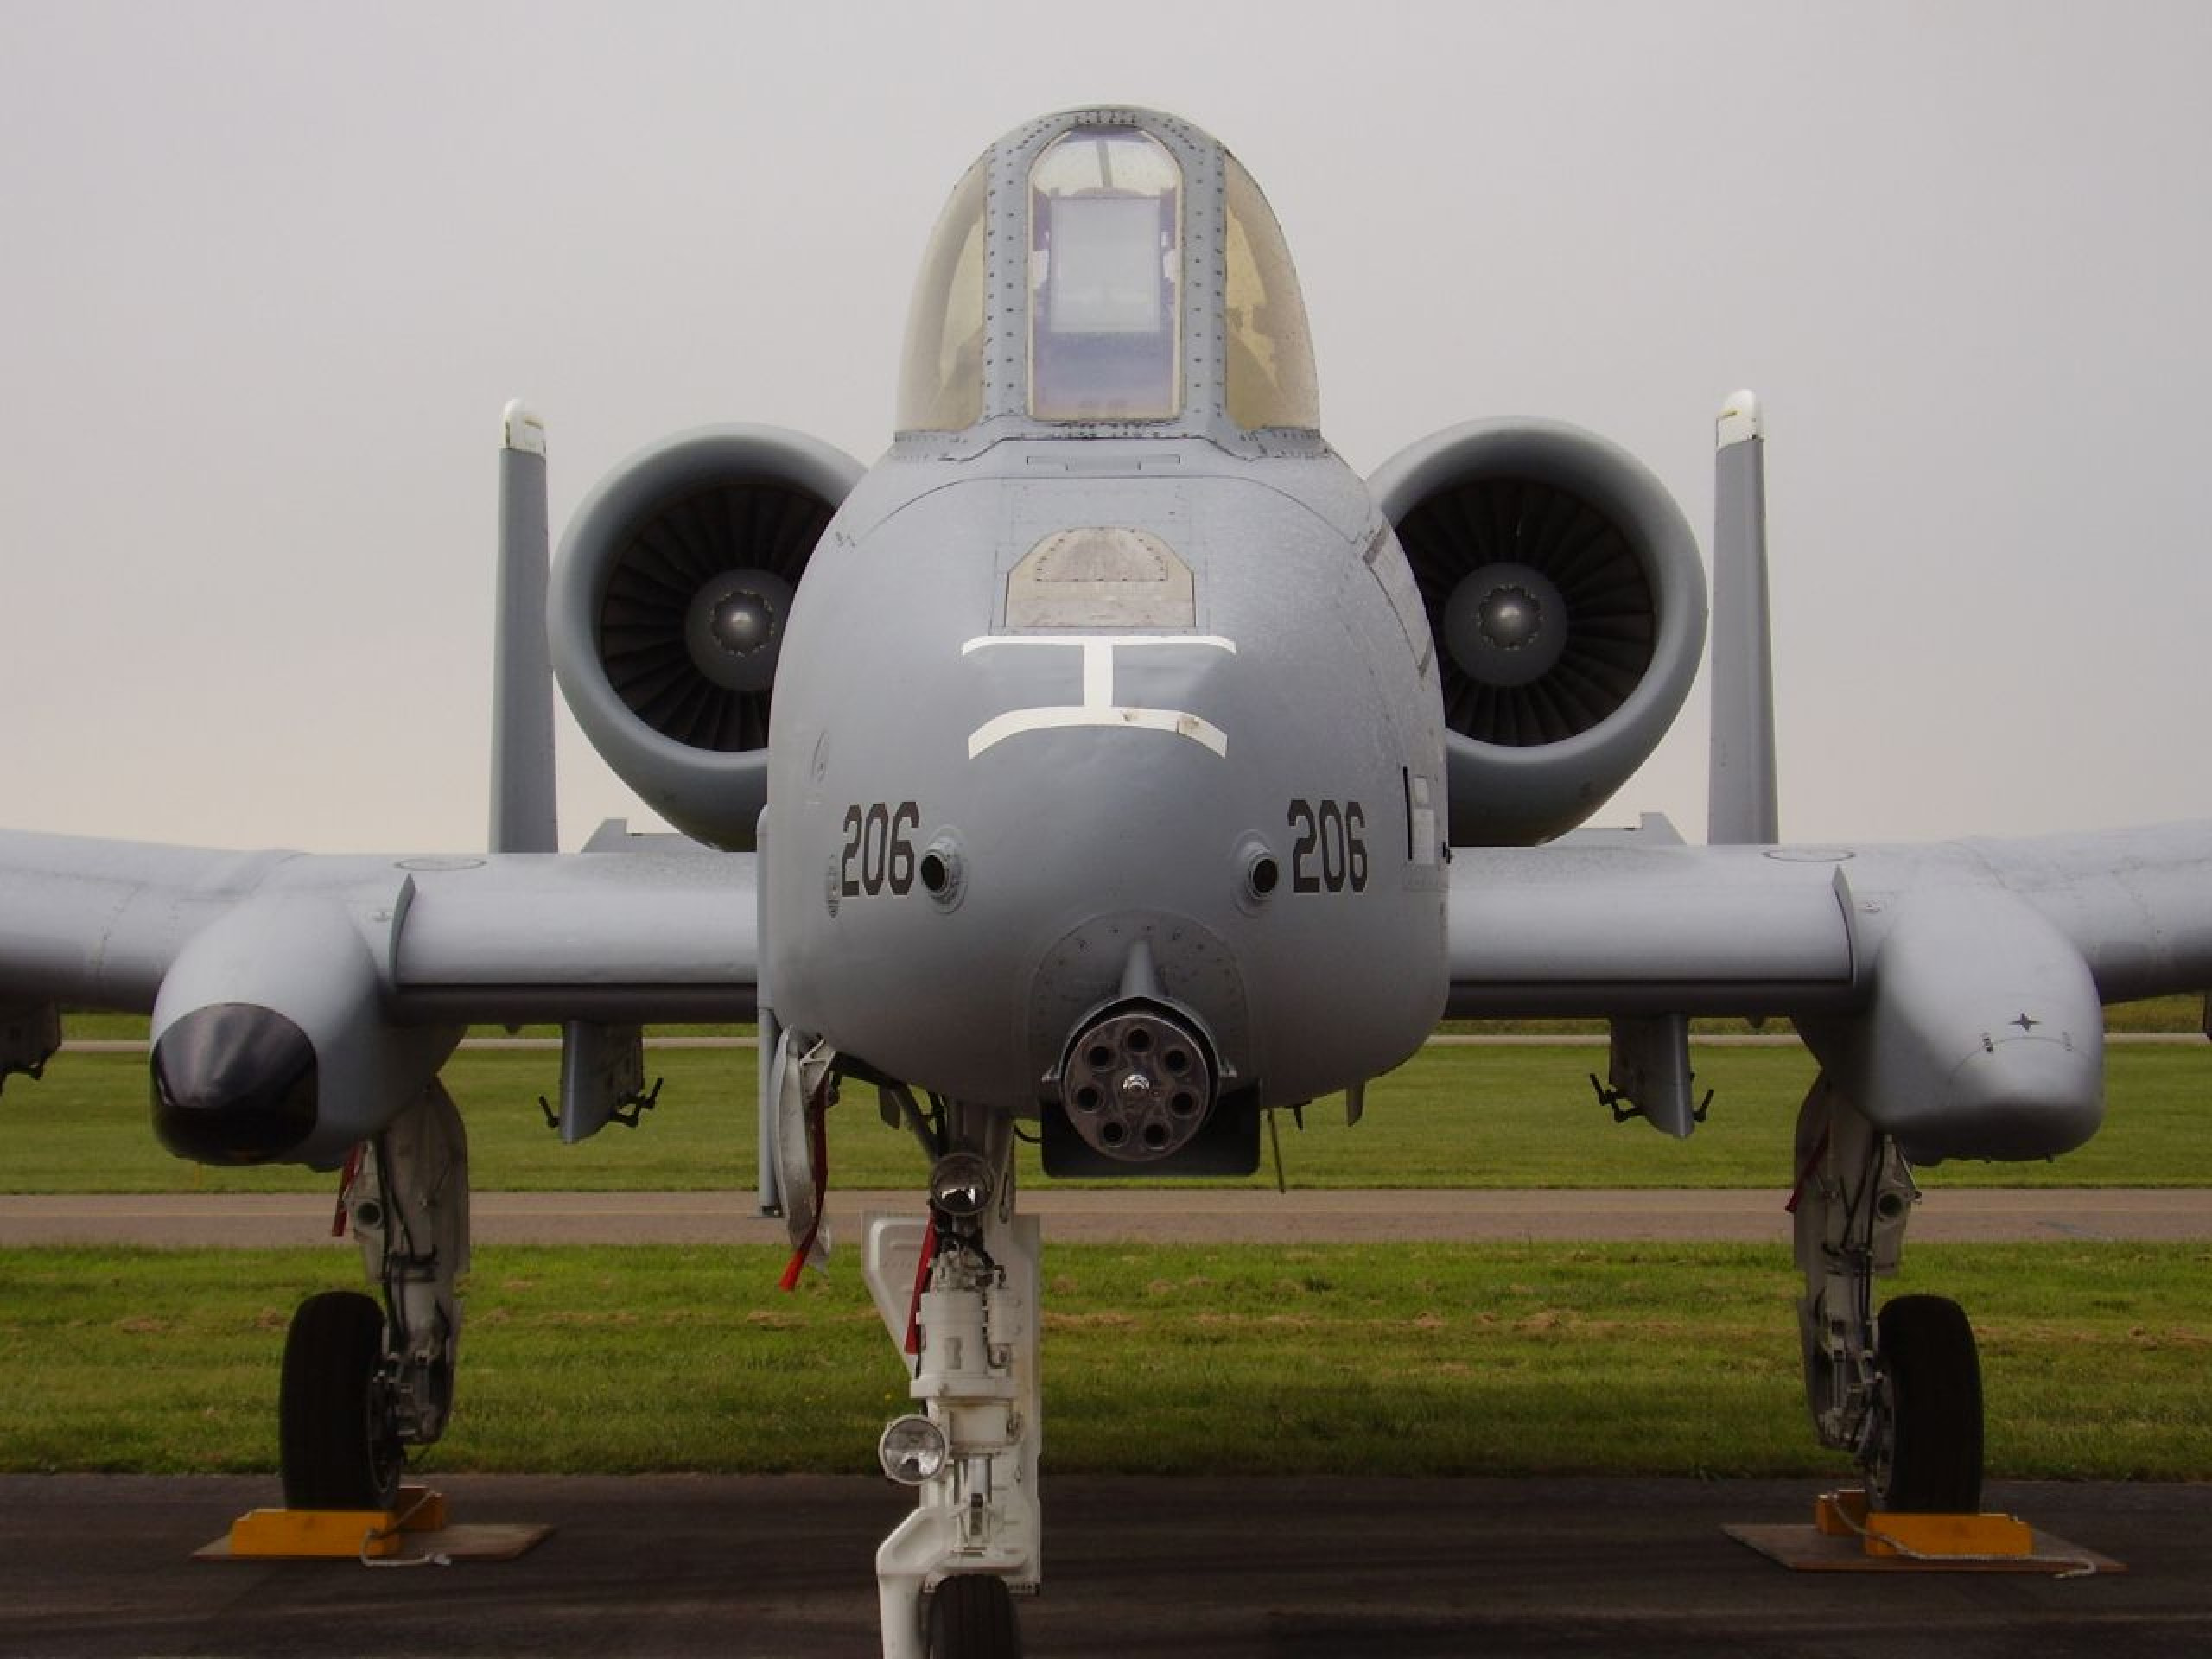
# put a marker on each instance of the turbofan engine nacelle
(668, 609)
(1567, 600)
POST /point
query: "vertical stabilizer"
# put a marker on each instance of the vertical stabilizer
(1741, 800)
(523, 815)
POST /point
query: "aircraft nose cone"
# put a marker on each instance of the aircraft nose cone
(234, 1083)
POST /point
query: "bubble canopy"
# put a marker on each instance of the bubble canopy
(1108, 268)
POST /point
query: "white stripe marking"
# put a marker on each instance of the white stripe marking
(1098, 706)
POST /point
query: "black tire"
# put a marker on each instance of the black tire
(1930, 1405)
(971, 1616)
(336, 1447)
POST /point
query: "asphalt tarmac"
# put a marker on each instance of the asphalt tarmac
(753, 1566)
(1241, 1569)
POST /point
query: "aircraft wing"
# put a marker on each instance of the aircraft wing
(1612, 926)
(301, 1002)
(1954, 989)
(662, 930)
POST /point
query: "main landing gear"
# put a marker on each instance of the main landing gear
(1901, 1392)
(363, 1381)
(958, 1295)
(339, 1445)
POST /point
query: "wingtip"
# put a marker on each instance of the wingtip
(1741, 420)
(520, 428)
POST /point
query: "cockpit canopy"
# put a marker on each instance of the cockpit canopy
(1105, 263)
(1108, 267)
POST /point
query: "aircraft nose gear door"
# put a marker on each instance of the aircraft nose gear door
(958, 1295)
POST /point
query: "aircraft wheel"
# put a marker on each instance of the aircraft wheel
(971, 1616)
(336, 1444)
(1927, 1437)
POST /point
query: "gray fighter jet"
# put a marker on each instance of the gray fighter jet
(1108, 757)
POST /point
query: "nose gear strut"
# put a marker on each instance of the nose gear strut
(957, 1293)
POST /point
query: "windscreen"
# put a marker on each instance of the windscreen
(1105, 258)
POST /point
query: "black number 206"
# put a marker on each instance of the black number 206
(878, 848)
(1330, 852)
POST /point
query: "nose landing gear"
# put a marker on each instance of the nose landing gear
(971, 1616)
(957, 1293)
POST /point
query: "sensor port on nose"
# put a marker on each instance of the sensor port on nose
(943, 872)
(1259, 872)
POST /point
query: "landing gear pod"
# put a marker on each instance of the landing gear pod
(271, 1041)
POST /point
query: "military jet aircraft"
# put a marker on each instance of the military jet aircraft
(1107, 758)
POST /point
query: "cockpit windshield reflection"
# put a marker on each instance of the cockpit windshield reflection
(1105, 261)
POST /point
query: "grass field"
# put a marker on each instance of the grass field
(1452, 1116)
(1382, 1359)
(1377, 1359)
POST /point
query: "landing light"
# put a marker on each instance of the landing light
(913, 1451)
(960, 1185)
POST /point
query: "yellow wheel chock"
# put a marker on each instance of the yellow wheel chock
(1849, 1534)
(370, 1535)
(1847, 1514)
(415, 1531)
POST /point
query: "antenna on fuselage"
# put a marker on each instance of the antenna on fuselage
(1740, 808)
(524, 815)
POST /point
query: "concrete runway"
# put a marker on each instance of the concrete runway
(1158, 1215)
(1228, 1569)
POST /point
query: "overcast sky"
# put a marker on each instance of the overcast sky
(269, 271)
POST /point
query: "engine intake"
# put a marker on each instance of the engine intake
(1566, 599)
(669, 605)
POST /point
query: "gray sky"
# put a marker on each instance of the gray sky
(269, 271)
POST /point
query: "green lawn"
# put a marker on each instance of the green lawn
(1452, 1116)
(1402, 1358)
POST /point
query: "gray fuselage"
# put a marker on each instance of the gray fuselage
(966, 702)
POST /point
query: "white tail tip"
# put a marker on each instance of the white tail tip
(520, 428)
(1740, 420)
